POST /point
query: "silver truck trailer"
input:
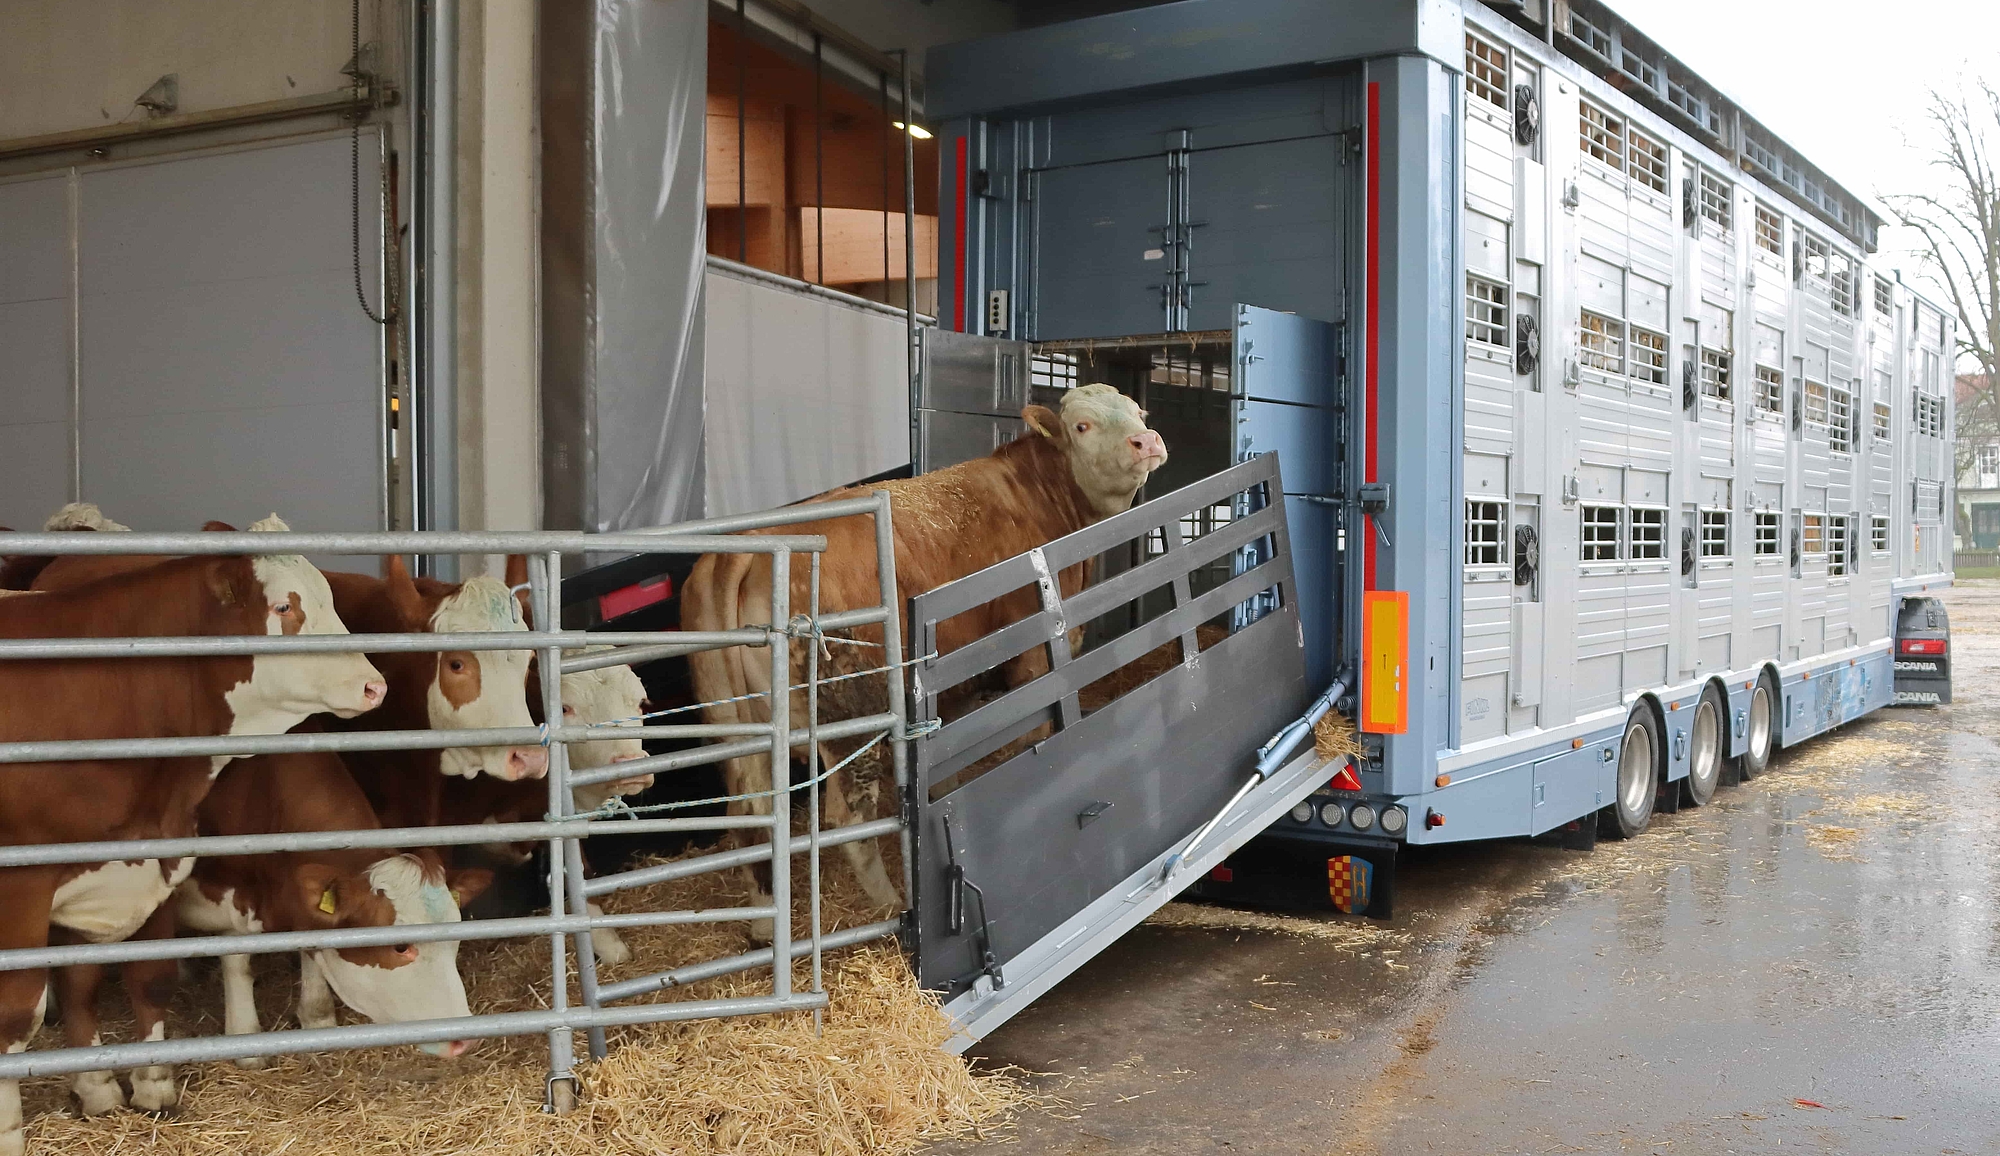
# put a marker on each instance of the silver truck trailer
(1610, 463)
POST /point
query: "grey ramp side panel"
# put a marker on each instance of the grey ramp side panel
(946, 437)
(1180, 43)
(1166, 756)
(228, 371)
(979, 1010)
(34, 350)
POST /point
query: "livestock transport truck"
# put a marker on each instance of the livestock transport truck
(1609, 464)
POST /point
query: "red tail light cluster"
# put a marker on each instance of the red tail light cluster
(1923, 645)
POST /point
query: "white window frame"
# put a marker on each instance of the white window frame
(1812, 536)
(1770, 389)
(1609, 347)
(1601, 140)
(1715, 199)
(1836, 545)
(1840, 282)
(1883, 422)
(1767, 529)
(1646, 159)
(1878, 533)
(1839, 420)
(1769, 234)
(1713, 534)
(1815, 403)
(1715, 365)
(1482, 56)
(1484, 516)
(1646, 354)
(1885, 298)
(1813, 247)
(1586, 544)
(1646, 533)
(1488, 315)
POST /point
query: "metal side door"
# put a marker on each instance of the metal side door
(1282, 401)
(1051, 819)
(1102, 265)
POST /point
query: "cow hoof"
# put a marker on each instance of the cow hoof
(253, 1063)
(762, 932)
(610, 947)
(14, 1141)
(155, 1092)
(98, 1093)
(314, 1021)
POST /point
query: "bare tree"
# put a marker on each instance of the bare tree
(1960, 227)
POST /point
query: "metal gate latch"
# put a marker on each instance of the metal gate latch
(959, 884)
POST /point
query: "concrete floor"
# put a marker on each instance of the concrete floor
(1811, 963)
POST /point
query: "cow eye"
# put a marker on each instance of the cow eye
(282, 608)
(458, 666)
(1083, 427)
(569, 711)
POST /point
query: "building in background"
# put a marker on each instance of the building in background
(1977, 449)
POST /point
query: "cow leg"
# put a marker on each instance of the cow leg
(24, 995)
(96, 1092)
(239, 1004)
(315, 994)
(750, 775)
(149, 988)
(606, 942)
(865, 856)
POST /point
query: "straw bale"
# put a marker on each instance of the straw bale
(876, 1080)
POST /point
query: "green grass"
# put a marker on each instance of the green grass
(1977, 572)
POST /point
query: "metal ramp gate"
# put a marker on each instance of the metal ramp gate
(1045, 819)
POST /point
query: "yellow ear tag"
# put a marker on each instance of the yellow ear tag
(326, 901)
(457, 897)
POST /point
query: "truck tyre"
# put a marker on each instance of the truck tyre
(1705, 747)
(1760, 735)
(1638, 783)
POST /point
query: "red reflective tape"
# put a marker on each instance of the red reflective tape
(626, 599)
(1923, 646)
(964, 282)
(1372, 343)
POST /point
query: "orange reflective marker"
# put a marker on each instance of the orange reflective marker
(1385, 662)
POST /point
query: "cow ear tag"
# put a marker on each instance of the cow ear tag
(326, 901)
(457, 897)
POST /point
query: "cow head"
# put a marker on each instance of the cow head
(611, 695)
(474, 689)
(293, 598)
(394, 983)
(1103, 435)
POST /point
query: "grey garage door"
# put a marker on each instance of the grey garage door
(179, 341)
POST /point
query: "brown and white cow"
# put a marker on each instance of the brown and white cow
(1064, 472)
(142, 798)
(307, 891)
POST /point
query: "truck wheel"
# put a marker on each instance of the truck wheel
(1705, 754)
(1638, 775)
(1762, 730)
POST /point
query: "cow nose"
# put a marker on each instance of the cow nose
(374, 692)
(1147, 444)
(527, 763)
(452, 1049)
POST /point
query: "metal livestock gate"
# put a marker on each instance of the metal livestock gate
(1635, 461)
(567, 922)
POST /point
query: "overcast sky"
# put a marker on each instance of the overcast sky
(1846, 83)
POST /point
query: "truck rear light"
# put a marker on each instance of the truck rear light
(1923, 645)
(1433, 818)
(1362, 816)
(1332, 814)
(1303, 813)
(1394, 819)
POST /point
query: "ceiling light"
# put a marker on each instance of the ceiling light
(915, 130)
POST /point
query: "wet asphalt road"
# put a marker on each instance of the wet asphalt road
(1811, 963)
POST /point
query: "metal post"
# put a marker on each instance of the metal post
(562, 804)
(882, 87)
(893, 658)
(819, 160)
(543, 573)
(742, 156)
(781, 774)
(910, 259)
(812, 793)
